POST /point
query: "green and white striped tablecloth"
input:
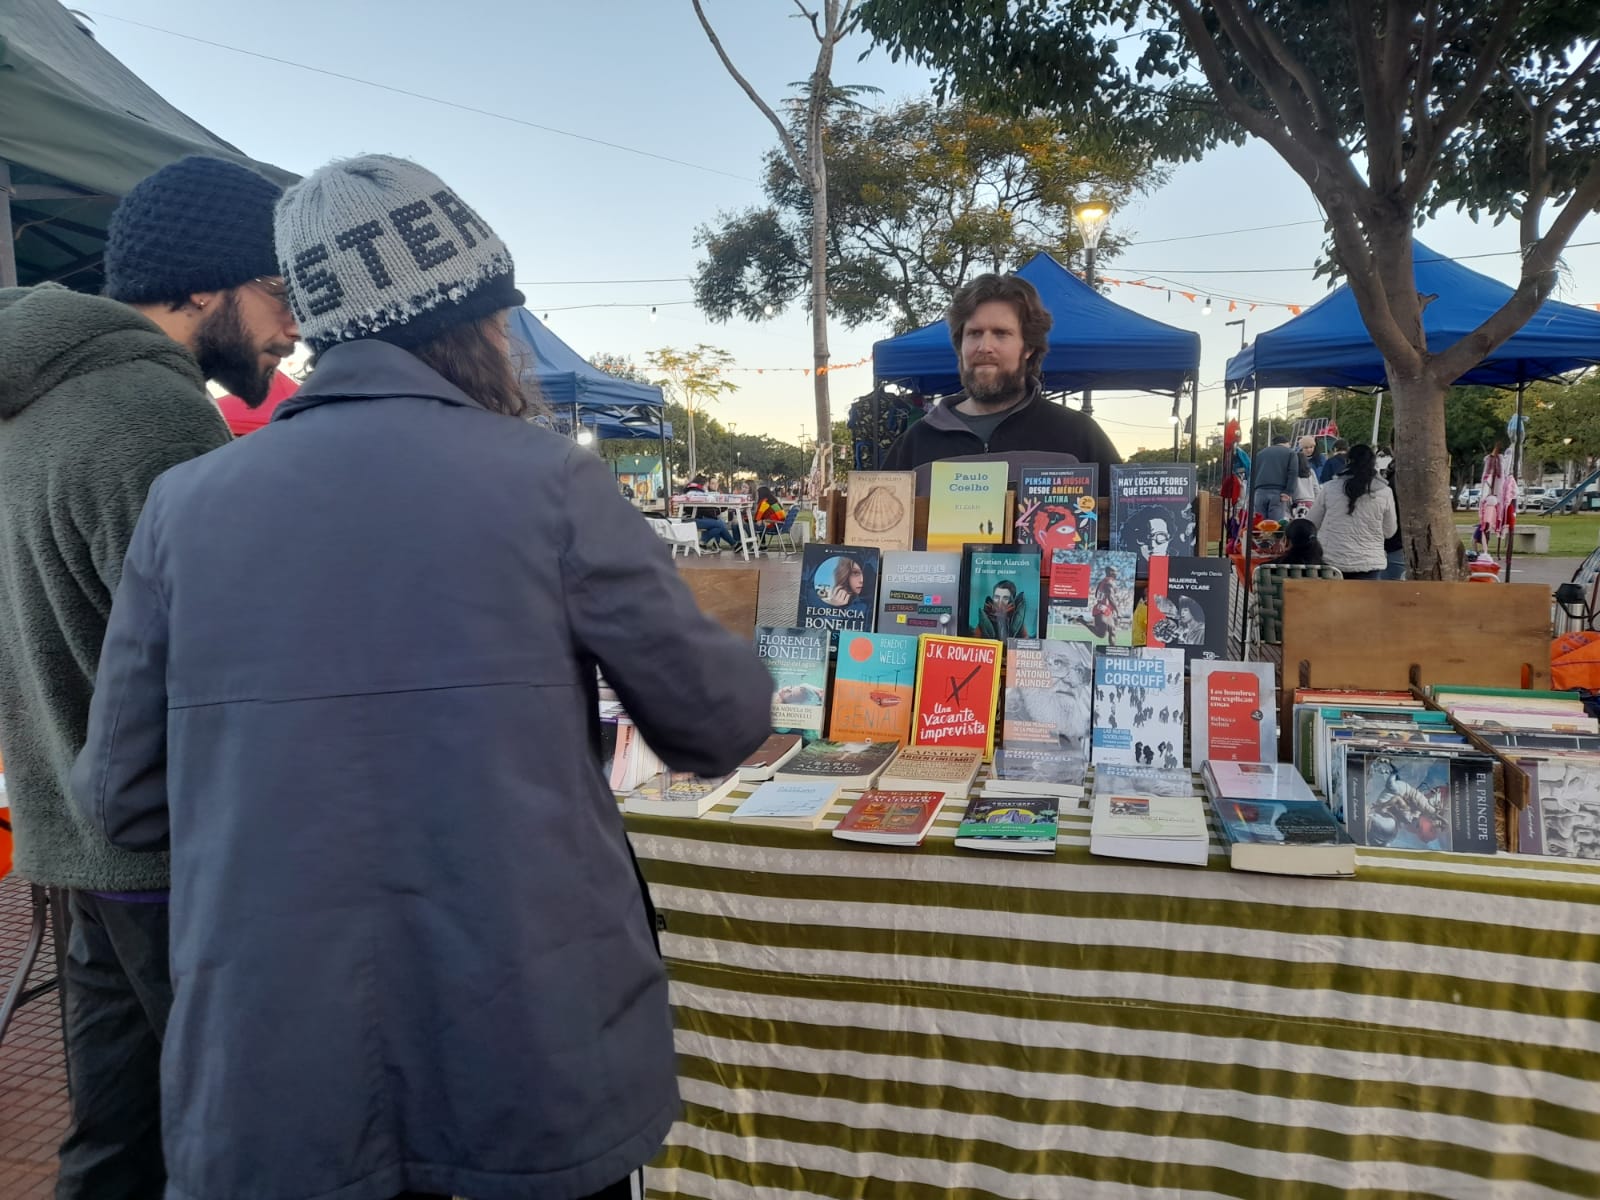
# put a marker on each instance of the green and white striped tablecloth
(857, 1022)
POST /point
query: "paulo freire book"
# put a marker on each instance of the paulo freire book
(1058, 509)
(1049, 691)
(838, 587)
(958, 683)
(966, 503)
(797, 660)
(1188, 605)
(1138, 707)
(919, 592)
(874, 684)
(1152, 510)
(881, 509)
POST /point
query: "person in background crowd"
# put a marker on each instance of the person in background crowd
(714, 531)
(771, 516)
(1273, 478)
(1304, 548)
(98, 396)
(1000, 330)
(1354, 515)
(1393, 546)
(1333, 465)
(411, 951)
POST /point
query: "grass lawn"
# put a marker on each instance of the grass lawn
(1571, 535)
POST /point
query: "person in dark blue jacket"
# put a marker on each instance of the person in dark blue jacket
(350, 680)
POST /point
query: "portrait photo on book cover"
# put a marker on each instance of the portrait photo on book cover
(1155, 531)
(840, 582)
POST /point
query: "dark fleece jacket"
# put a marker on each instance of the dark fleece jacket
(95, 402)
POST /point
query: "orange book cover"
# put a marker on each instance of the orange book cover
(958, 685)
(872, 688)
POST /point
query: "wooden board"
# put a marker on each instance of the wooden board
(728, 595)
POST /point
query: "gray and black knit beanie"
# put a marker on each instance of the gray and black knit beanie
(198, 225)
(378, 247)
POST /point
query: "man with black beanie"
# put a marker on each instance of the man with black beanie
(98, 396)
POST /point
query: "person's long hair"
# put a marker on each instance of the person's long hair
(1033, 317)
(765, 493)
(475, 358)
(843, 568)
(1361, 469)
(1304, 548)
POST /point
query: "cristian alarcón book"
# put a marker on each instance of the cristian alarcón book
(958, 683)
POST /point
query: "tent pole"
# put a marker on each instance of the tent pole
(1246, 519)
(1194, 420)
(8, 245)
(666, 464)
(1377, 412)
(1510, 522)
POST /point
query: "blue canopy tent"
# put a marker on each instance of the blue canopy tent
(582, 395)
(1328, 345)
(1094, 343)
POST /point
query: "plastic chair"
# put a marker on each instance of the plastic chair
(1267, 594)
(778, 533)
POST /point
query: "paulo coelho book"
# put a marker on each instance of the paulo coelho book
(958, 683)
(966, 503)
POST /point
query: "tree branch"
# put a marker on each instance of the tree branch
(1422, 85)
(1431, 138)
(1538, 280)
(811, 16)
(800, 165)
(1372, 63)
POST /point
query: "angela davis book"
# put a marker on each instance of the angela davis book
(1188, 605)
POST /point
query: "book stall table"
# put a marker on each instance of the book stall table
(862, 1023)
(711, 504)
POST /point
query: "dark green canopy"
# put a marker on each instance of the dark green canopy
(77, 130)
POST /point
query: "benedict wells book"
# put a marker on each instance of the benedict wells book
(797, 660)
(1138, 707)
(873, 686)
(1152, 510)
(958, 682)
(1057, 509)
(1188, 599)
(838, 587)
(919, 592)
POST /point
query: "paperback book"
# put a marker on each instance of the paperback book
(778, 749)
(1170, 829)
(838, 587)
(1188, 605)
(1152, 510)
(1049, 691)
(920, 592)
(874, 684)
(1256, 781)
(966, 503)
(679, 794)
(850, 765)
(1000, 592)
(948, 769)
(1057, 509)
(1090, 597)
(1233, 709)
(1562, 815)
(796, 805)
(958, 683)
(1142, 781)
(886, 817)
(1138, 707)
(1013, 824)
(797, 660)
(1283, 837)
(1415, 800)
(881, 509)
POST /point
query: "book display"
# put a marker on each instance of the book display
(797, 660)
(1049, 693)
(958, 682)
(1138, 707)
(850, 765)
(1089, 597)
(1010, 824)
(1233, 711)
(1133, 819)
(1058, 509)
(948, 769)
(882, 509)
(679, 794)
(966, 503)
(790, 804)
(838, 587)
(1152, 510)
(999, 593)
(873, 687)
(1188, 605)
(920, 592)
(884, 817)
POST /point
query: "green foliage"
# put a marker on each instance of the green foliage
(693, 378)
(1555, 412)
(920, 199)
(722, 453)
(1132, 71)
(1473, 424)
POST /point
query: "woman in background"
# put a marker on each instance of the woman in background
(1304, 548)
(1354, 515)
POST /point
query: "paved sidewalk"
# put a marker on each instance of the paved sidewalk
(33, 1077)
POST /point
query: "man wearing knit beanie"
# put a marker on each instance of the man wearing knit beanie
(99, 396)
(411, 954)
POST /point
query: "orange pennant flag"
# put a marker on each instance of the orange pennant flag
(1295, 309)
(1232, 307)
(1252, 308)
(1189, 296)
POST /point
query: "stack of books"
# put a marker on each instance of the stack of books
(1149, 814)
(1272, 822)
(948, 769)
(679, 794)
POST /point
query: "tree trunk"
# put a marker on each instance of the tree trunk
(819, 318)
(1422, 479)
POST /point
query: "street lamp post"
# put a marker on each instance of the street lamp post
(1090, 218)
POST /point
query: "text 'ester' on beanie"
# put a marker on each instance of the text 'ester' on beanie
(379, 247)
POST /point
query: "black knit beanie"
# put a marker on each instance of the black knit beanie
(198, 225)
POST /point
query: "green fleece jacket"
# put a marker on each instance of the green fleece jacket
(95, 402)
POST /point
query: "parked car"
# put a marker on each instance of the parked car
(1467, 499)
